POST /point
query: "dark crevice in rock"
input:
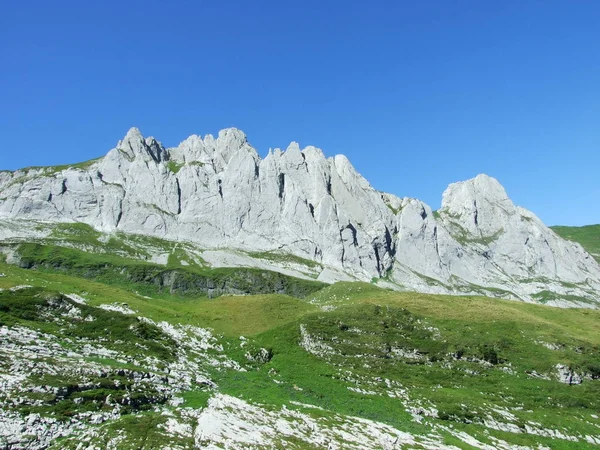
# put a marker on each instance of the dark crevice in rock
(50, 197)
(281, 182)
(63, 188)
(220, 187)
(120, 216)
(178, 196)
(377, 259)
(155, 151)
(329, 185)
(381, 249)
(476, 212)
(391, 249)
(437, 244)
(353, 230)
(343, 248)
(311, 208)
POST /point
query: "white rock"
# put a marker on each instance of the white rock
(220, 195)
(229, 422)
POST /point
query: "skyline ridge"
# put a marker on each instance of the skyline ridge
(134, 130)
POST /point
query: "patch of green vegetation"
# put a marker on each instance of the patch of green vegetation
(95, 395)
(344, 292)
(468, 287)
(81, 263)
(445, 213)
(285, 258)
(487, 240)
(130, 432)
(147, 241)
(159, 209)
(124, 332)
(16, 306)
(197, 398)
(588, 236)
(463, 237)
(394, 211)
(174, 166)
(180, 258)
(81, 166)
(84, 237)
(374, 331)
(429, 280)
(548, 296)
(52, 170)
(125, 155)
(76, 232)
(250, 315)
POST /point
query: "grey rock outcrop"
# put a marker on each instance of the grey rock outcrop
(219, 194)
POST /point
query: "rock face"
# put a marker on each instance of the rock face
(218, 193)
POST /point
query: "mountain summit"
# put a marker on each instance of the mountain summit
(217, 193)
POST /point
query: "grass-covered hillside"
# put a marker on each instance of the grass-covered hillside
(102, 351)
(588, 236)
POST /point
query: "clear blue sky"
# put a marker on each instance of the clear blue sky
(416, 94)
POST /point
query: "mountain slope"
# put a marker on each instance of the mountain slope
(85, 364)
(219, 195)
(588, 236)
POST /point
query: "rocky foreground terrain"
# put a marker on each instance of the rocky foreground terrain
(97, 365)
(219, 195)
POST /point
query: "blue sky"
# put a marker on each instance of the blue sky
(416, 94)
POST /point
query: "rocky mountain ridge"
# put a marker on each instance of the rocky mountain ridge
(219, 194)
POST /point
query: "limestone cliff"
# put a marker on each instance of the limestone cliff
(219, 194)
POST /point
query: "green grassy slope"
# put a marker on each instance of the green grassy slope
(418, 362)
(231, 315)
(469, 358)
(588, 236)
(154, 279)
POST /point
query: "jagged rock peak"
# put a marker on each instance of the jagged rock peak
(215, 151)
(233, 136)
(465, 196)
(481, 204)
(482, 188)
(134, 144)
